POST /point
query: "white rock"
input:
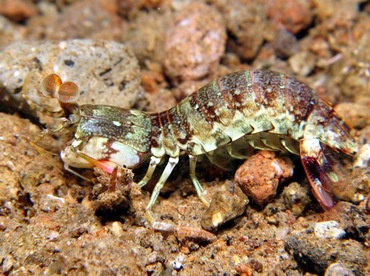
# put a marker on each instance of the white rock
(105, 71)
(362, 157)
(328, 230)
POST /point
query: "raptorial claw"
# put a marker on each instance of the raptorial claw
(318, 170)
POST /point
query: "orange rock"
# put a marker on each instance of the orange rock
(260, 175)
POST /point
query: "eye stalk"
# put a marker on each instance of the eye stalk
(50, 85)
(68, 92)
(65, 92)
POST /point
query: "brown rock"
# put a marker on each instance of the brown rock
(187, 233)
(260, 175)
(225, 206)
(195, 43)
(17, 10)
(291, 15)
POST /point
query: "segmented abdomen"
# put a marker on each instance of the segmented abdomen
(233, 106)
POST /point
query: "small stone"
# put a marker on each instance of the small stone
(296, 197)
(302, 63)
(225, 206)
(177, 263)
(78, 232)
(292, 14)
(162, 226)
(338, 269)
(187, 233)
(3, 223)
(7, 263)
(363, 157)
(356, 114)
(17, 10)
(250, 267)
(116, 228)
(319, 254)
(328, 230)
(195, 42)
(84, 18)
(10, 165)
(246, 22)
(260, 175)
(285, 44)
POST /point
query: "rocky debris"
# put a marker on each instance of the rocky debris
(21, 184)
(284, 43)
(291, 15)
(92, 19)
(225, 206)
(10, 32)
(186, 233)
(356, 114)
(131, 8)
(260, 175)
(194, 43)
(338, 269)
(111, 193)
(296, 197)
(145, 34)
(363, 157)
(328, 229)
(302, 63)
(248, 268)
(17, 10)
(315, 253)
(350, 218)
(246, 22)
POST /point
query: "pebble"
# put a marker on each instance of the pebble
(260, 175)
(363, 157)
(328, 230)
(225, 206)
(296, 197)
(338, 269)
(195, 42)
(7, 263)
(356, 114)
(84, 18)
(246, 22)
(105, 71)
(285, 44)
(290, 14)
(302, 63)
(10, 32)
(188, 233)
(318, 254)
(178, 262)
(3, 223)
(17, 10)
(116, 229)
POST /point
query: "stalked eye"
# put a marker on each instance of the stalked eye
(68, 92)
(50, 85)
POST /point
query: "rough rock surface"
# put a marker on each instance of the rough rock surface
(260, 175)
(105, 71)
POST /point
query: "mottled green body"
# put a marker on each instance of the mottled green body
(245, 110)
(129, 127)
(255, 103)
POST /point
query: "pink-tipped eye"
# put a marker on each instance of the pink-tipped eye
(68, 92)
(51, 85)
